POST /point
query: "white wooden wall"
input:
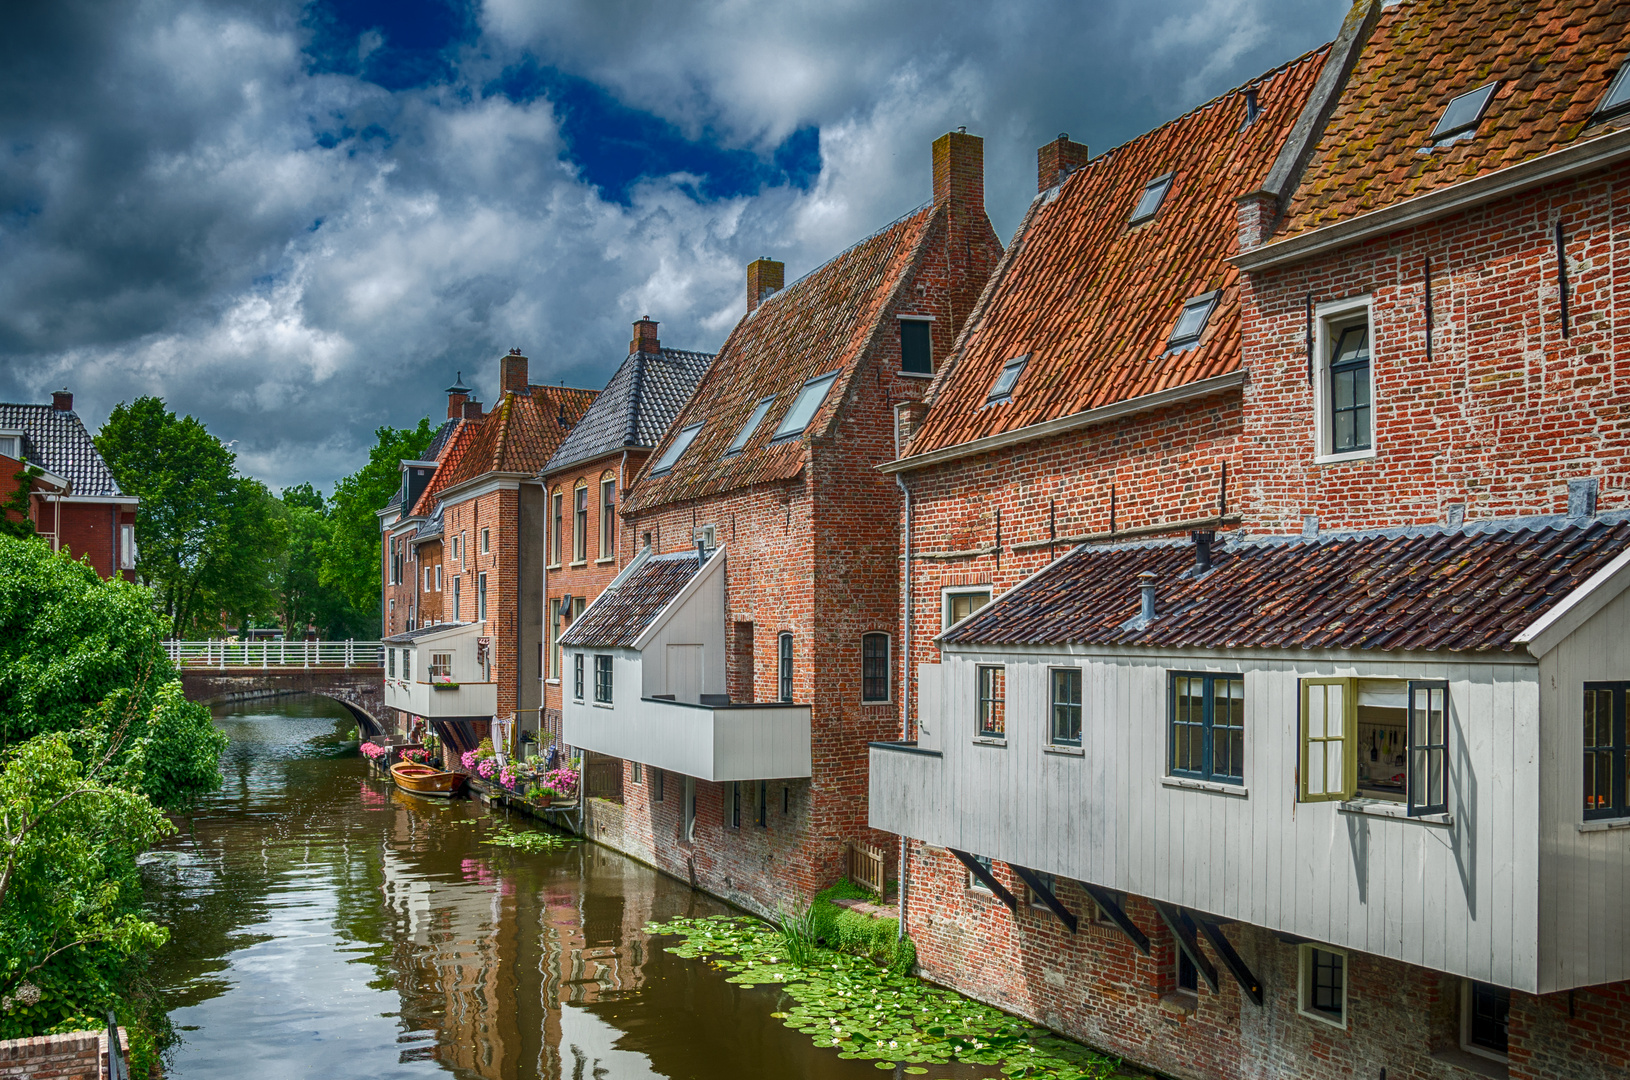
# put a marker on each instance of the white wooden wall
(696, 619)
(1461, 898)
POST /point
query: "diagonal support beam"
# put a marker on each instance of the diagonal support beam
(1231, 959)
(1182, 927)
(1039, 887)
(1107, 904)
(977, 869)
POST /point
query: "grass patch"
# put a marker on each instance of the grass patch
(848, 931)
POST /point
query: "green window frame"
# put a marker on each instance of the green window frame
(1066, 719)
(1207, 742)
(1606, 783)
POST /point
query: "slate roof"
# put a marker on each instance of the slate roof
(821, 323)
(1473, 589)
(635, 408)
(430, 527)
(519, 435)
(1554, 59)
(440, 440)
(423, 631)
(622, 613)
(58, 443)
(1093, 300)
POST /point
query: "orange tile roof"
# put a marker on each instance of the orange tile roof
(1554, 60)
(822, 323)
(518, 436)
(1093, 300)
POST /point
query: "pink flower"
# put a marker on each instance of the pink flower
(486, 768)
(507, 778)
(468, 758)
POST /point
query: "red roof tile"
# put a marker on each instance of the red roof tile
(1553, 58)
(621, 614)
(1093, 300)
(518, 436)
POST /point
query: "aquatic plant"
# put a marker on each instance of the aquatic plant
(798, 936)
(504, 836)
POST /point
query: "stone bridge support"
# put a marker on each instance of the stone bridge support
(360, 689)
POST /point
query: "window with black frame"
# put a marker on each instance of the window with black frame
(992, 706)
(577, 676)
(1324, 985)
(784, 666)
(602, 679)
(1605, 779)
(1066, 730)
(1350, 389)
(874, 663)
(1208, 727)
(1485, 1017)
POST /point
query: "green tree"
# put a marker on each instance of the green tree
(351, 558)
(14, 519)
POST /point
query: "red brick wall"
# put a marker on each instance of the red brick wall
(89, 529)
(73, 1055)
(499, 513)
(428, 556)
(404, 593)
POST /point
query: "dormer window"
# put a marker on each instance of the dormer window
(1002, 388)
(805, 405)
(1464, 113)
(739, 443)
(1192, 323)
(1154, 193)
(1617, 99)
(676, 449)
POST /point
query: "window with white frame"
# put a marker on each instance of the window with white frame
(580, 523)
(1384, 739)
(602, 679)
(636, 772)
(555, 526)
(481, 598)
(438, 577)
(554, 637)
(429, 578)
(974, 884)
(958, 604)
(486, 541)
(1066, 712)
(11, 446)
(1485, 1016)
(456, 614)
(1035, 897)
(127, 547)
(390, 663)
(407, 665)
(1322, 992)
(1344, 380)
(441, 667)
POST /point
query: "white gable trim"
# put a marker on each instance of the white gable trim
(1575, 609)
(715, 565)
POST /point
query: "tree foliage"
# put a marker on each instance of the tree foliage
(352, 559)
(14, 519)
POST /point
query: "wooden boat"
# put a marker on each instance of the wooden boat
(423, 780)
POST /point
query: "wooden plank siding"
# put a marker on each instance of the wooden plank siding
(1461, 897)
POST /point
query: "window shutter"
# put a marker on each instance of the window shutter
(1428, 747)
(1329, 739)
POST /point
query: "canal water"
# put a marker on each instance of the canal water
(325, 925)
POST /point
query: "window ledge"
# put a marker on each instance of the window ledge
(1337, 459)
(986, 740)
(552, 682)
(1180, 1002)
(579, 564)
(607, 559)
(1066, 751)
(1238, 791)
(1473, 1063)
(552, 566)
(1604, 824)
(1386, 809)
(604, 705)
(916, 374)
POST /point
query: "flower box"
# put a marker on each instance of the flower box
(444, 686)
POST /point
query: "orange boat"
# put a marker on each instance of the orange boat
(423, 780)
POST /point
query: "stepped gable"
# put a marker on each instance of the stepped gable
(56, 440)
(1092, 299)
(1554, 60)
(635, 408)
(518, 436)
(622, 613)
(1472, 589)
(821, 323)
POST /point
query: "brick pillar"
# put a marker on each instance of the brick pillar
(645, 337)
(959, 171)
(764, 276)
(512, 373)
(1255, 214)
(1057, 160)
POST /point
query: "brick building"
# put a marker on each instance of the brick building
(1281, 776)
(584, 481)
(75, 504)
(770, 470)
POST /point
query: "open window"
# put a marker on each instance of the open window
(1383, 739)
(1464, 113)
(676, 449)
(805, 406)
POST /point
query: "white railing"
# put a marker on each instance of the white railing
(276, 654)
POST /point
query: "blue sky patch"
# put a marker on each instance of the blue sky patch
(420, 38)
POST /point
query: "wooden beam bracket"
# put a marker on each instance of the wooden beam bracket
(977, 869)
(1039, 887)
(1182, 927)
(1107, 904)
(1248, 982)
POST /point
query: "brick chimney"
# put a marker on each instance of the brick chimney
(512, 373)
(62, 400)
(959, 171)
(470, 410)
(457, 395)
(645, 336)
(764, 276)
(1057, 160)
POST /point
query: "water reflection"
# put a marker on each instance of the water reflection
(326, 924)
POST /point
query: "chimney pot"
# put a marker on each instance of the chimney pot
(1146, 585)
(1203, 540)
(62, 400)
(959, 171)
(764, 276)
(512, 373)
(1057, 160)
(645, 336)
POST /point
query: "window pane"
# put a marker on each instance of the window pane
(992, 703)
(805, 406)
(1490, 1016)
(1009, 375)
(1067, 706)
(1325, 993)
(1341, 386)
(676, 449)
(751, 426)
(1149, 201)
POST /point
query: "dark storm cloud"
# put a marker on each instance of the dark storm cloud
(296, 221)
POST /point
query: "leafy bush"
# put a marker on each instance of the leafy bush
(846, 930)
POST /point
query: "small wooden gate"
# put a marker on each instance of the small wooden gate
(866, 866)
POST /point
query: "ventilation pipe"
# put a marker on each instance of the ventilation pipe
(1202, 550)
(1146, 586)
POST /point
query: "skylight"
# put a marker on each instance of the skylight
(805, 405)
(1617, 99)
(1002, 388)
(1154, 192)
(751, 426)
(1192, 323)
(676, 449)
(1464, 112)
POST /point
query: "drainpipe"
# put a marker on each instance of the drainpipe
(905, 685)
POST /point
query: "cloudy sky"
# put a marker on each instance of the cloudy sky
(297, 221)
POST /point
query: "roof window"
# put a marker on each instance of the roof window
(1464, 113)
(676, 449)
(1154, 193)
(1617, 98)
(740, 441)
(1002, 388)
(1192, 323)
(805, 405)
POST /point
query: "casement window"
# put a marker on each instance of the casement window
(438, 577)
(739, 443)
(608, 518)
(991, 707)
(1344, 381)
(407, 665)
(959, 604)
(1614, 103)
(486, 541)
(580, 523)
(441, 665)
(390, 663)
(676, 449)
(1322, 993)
(577, 676)
(11, 446)
(554, 638)
(974, 884)
(1485, 1016)
(1605, 779)
(554, 528)
(805, 406)
(784, 666)
(1208, 727)
(602, 679)
(732, 804)
(1385, 739)
(1066, 718)
(636, 772)
(1002, 389)
(916, 346)
(455, 548)
(1149, 200)
(874, 667)
(127, 547)
(1462, 115)
(481, 598)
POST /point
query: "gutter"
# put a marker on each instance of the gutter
(1583, 157)
(1091, 417)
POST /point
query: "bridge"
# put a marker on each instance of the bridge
(349, 672)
